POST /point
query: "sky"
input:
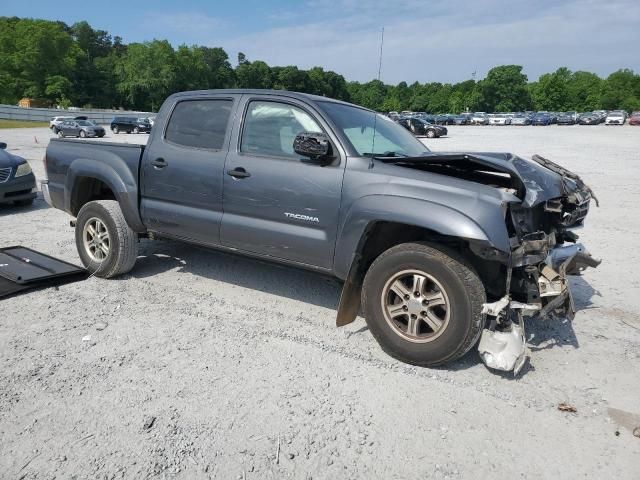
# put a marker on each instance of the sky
(424, 40)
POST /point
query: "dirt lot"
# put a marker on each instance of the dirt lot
(207, 365)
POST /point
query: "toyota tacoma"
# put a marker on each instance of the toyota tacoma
(440, 251)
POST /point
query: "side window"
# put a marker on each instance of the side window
(199, 123)
(271, 127)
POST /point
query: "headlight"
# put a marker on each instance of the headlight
(23, 169)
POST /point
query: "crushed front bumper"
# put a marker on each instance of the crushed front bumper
(502, 344)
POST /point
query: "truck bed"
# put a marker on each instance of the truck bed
(116, 165)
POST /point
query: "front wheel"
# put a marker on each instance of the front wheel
(83, 134)
(106, 244)
(115, 130)
(136, 130)
(423, 305)
(60, 134)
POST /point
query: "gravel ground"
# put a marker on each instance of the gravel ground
(207, 365)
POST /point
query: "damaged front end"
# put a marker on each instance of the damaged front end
(544, 252)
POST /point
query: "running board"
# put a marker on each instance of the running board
(22, 268)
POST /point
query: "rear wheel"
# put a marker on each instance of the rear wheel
(423, 305)
(136, 130)
(431, 133)
(115, 129)
(106, 244)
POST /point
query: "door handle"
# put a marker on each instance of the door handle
(239, 173)
(159, 163)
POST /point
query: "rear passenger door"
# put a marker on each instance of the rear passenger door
(182, 171)
(277, 203)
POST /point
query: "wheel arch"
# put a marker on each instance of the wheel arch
(370, 232)
(89, 179)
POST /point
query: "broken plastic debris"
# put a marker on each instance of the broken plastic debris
(504, 350)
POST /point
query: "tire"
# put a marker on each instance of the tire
(83, 134)
(136, 130)
(122, 247)
(115, 130)
(461, 293)
(60, 134)
(24, 203)
(431, 134)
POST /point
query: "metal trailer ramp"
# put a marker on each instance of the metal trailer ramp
(22, 268)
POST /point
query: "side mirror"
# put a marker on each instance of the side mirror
(316, 146)
(3, 145)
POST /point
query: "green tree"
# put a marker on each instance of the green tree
(147, 74)
(505, 90)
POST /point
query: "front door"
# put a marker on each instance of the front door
(276, 203)
(182, 170)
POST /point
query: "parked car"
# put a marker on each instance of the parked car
(55, 122)
(589, 119)
(566, 118)
(615, 118)
(80, 128)
(419, 127)
(462, 119)
(541, 119)
(130, 125)
(634, 119)
(521, 119)
(499, 119)
(480, 118)
(17, 181)
(429, 242)
(444, 119)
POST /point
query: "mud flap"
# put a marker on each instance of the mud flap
(22, 268)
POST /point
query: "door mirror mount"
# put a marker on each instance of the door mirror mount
(316, 147)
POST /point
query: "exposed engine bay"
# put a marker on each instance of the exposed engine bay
(543, 246)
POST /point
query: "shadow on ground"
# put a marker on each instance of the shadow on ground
(309, 287)
(7, 209)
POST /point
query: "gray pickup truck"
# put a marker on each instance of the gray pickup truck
(443, 251)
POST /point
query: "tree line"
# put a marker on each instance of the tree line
(78, 65)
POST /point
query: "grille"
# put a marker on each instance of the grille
(5, 173)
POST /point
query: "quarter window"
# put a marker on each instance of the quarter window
(199, 123)
(271, 127)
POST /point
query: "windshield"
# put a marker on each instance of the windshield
(357, 124)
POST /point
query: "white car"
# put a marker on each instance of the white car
(480, 118)
(55, 122)
(499, 119)
(615, 118)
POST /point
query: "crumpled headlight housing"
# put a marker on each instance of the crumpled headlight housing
(23, 169)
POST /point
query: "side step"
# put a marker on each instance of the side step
(22, 268)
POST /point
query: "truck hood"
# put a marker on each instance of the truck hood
(533, 181)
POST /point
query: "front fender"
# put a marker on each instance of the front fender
(485, 222)
(117, 176)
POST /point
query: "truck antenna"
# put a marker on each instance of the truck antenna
(375, 114)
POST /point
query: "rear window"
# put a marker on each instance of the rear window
(199, 123)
